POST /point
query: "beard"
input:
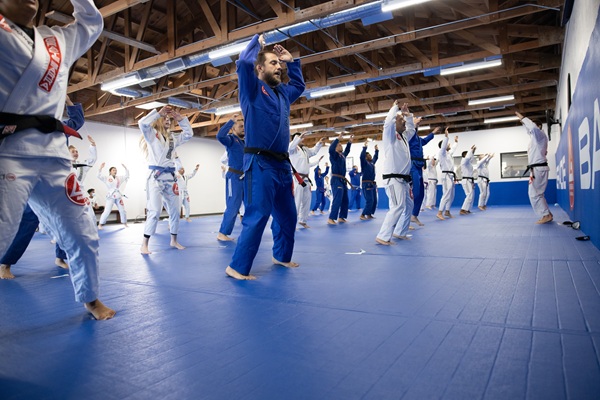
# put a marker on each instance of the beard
(271, 79)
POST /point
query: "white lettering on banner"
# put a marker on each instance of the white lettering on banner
(561, 173)
(596, 144)
(584, 155)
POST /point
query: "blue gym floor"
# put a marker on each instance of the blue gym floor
(484, 306)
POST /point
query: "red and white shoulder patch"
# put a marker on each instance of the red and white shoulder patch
(264, 90)
(74, 192)
(4, 25)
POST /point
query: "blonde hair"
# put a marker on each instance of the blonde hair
(159, 126)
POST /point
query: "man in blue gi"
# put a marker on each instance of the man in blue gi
(265, 102)
(234, 184)
(355, 192)
(320, 192)
(416, 170)
(337, 157)
(369, 187)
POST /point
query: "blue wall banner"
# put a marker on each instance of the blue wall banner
(578, 153)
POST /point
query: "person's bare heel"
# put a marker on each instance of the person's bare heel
(236, 275)
(5, 272)
(99, 311)
(290, 264)
(59, 262)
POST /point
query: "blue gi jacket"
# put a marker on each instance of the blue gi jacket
(368, 168)
(415, 145)
(338, 161)
(320, 179)
(235, 145)
(266, 110)
(355, 177)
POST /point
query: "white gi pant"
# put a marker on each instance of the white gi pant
(302, 197)
(468, 187)
(431, 193)
(538, 180)
(43, 182)
(397, 219)
(447, 192)
(110, 202)
(484, 192)
(162, 189)
(185, 203)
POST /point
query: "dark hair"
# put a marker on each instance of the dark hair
(296, 134)
(537, 123)
(111, 169)
(464, 154)
(261, 57)
(440, 144)
(90, 190)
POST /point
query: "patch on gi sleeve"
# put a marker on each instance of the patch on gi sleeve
(176, 189)
(4, 25)
(73, 190)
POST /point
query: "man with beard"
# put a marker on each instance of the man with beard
(265, 103)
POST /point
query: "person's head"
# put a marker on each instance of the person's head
(181, 171)
(295, 135)
(400, 123)
(339, 147)
(21, 12)
(464, 154)
(267, 68)
(355, 167)
(91, 192)
(238, 126)
(162, 126)
(112, 171)
(368, 156)
(440, 145)
(537, 123)
(72, 150)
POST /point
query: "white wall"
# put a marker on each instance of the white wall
(120, 145)
(577, 39)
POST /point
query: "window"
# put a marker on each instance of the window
(513, 165)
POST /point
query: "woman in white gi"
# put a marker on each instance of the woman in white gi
(398, 129)
(432, 180)
(448, 176)
(158, 144)
(34, 159)
(483, 180)
(114, 184)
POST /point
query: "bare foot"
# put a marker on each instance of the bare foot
(125, 225)
(99, 310)
(188, 220)
(463, 212)
(59, 262)
(331, 222)
(447, 214)
(402, 237)
(5, 272)
(416, 220)
(545, 219)
(439, 215)
(481, 208)
(290, 264)
(304, 224)
(177, 245)
(144, 249)
(224, 238)
(383, 242)
(341, 220)
(363, 218)
(236, 275)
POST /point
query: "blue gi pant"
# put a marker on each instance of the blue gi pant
(339, 207)
(234, 194)
(320, 200)
(418, 189)
(27, 227)
(267, 191)
(370, 193)
(355, 197)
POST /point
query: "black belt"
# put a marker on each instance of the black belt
(450, 172)
(544, 164)
(418, 159)
(469, 178)
(235, 171)
(407, 178)
(276, 156)
(13, 123)
(484, 177)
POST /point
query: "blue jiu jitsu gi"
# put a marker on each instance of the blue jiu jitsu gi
(234, 185)
(416, 170)
(267, 180)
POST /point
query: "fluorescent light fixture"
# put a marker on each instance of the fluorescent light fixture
(424, 127)
(471, 67)
(491, 100)
(127, 80)
(326, 92)
(226, 51)
(228, 110)
(378, 115)
(346, 136)
(394, 5)
(501, 119)
(150, 106)
(300, 126)
(115, 93)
